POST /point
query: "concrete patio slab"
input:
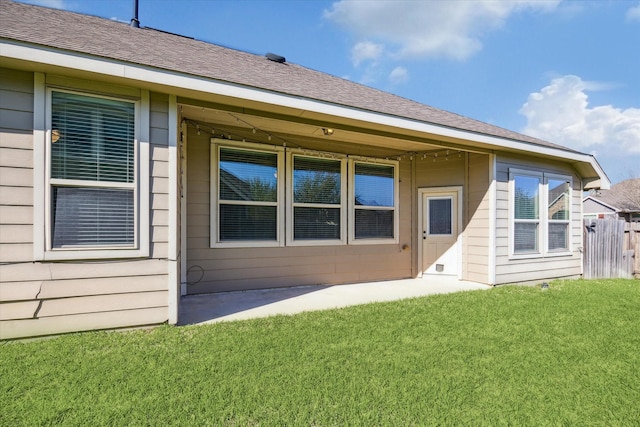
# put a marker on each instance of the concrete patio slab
(229, 306)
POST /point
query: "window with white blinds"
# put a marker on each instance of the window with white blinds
(92, 172)
(541, 213)
(264, 196)
(248, 191)
(526, 207)
(317, 198)
(374, 201)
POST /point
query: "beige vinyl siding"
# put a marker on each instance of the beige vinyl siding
(543, 267)
(16, 165)
(159, 171)
(42, 298)
(225, 269)
(475, 250)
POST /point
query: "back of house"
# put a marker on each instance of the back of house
(137, 166)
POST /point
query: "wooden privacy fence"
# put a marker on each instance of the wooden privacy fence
(611, 248)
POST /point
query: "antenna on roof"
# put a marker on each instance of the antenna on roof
(134, 21)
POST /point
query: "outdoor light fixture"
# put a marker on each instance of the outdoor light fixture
(327, 131)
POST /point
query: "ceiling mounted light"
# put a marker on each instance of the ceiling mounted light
(327, 131)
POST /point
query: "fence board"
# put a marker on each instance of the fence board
(609, 249)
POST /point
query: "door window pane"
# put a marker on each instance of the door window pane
(440, 216)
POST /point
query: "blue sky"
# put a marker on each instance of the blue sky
(564, 71)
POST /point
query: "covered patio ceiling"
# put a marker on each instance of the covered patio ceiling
(300, 133)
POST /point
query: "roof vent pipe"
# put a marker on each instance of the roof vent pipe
(134, 21)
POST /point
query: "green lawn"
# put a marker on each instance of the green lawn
(509, 356)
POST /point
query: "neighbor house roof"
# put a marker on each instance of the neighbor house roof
(623, 196)
(76, 34)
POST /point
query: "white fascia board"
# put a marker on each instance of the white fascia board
(111, 67)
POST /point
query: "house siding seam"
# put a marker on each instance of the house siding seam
(43, 298)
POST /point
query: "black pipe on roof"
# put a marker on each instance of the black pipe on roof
(134, 21)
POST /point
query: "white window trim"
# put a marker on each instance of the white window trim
(344, 225)
(214, 230)
(43, 250)
(543, 217)
(352, 205)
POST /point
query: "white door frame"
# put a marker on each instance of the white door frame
(437, 190)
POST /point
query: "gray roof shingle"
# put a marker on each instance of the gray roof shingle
(116, 40)
(625, 195)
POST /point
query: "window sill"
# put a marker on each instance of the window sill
(540, 255)
(373, 241)
(78, 254)
(246, 244)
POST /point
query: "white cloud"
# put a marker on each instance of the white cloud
(429, 28)
(365, 51)
(560, 113)
(399, 75)
(633, 14)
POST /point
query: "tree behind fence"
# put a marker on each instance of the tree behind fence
(611, 248)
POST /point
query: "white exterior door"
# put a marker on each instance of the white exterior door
(440, 231)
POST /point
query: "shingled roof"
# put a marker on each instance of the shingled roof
(624, 196)
(148, 47)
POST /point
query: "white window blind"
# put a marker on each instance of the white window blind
(316, 198)
(92, 171)
(247, 195)
(374, 201)
(526, 213)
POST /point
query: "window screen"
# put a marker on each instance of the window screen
(93, 149)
